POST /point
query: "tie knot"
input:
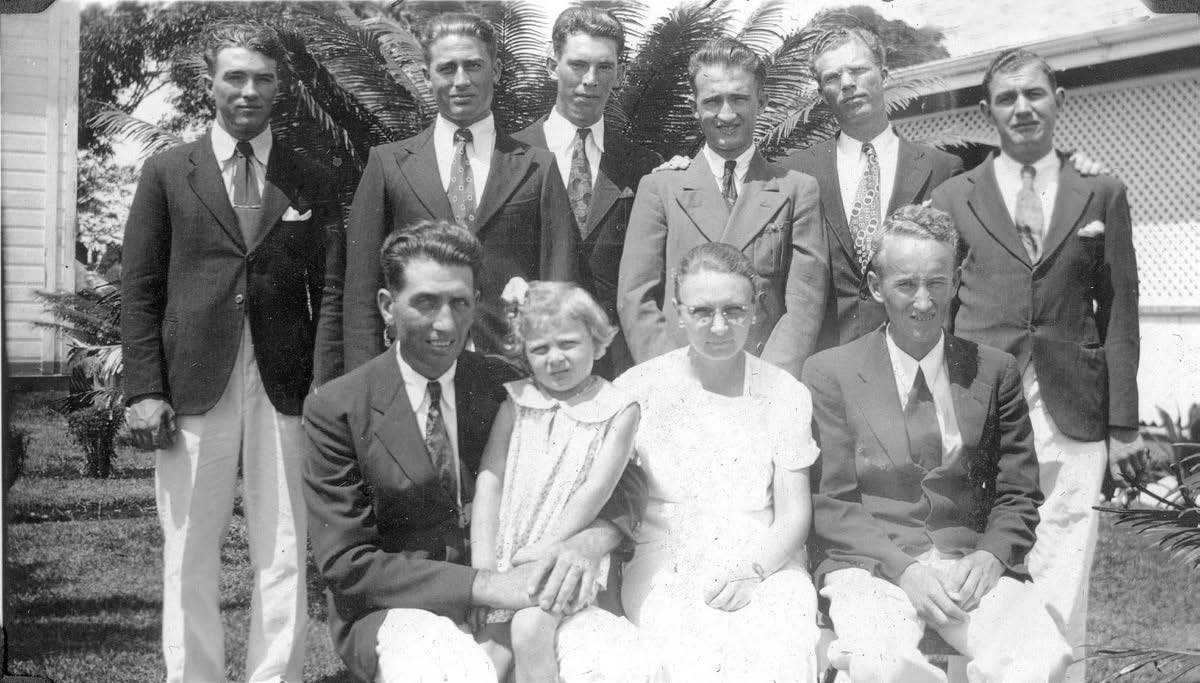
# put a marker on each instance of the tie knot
(583, 133)
(1028, 172)
(244, 148)
(730, 166)
(868, 149)
(463, 135)
(435, 392)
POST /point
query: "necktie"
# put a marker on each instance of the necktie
(920, 418)
(1028, 215)
(864, 215)
(245, 184)
(437, 442)
(579, 183)
(462, 185)
(729, 184)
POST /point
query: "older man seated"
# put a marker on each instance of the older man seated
(928, 496)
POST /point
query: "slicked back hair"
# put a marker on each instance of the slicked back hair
(715, 257)
(1012, 60)
(729, 53)
(590, 21)
(459, 24)
(442, 242)
(921, 222)
(253, 37)
(840, 30)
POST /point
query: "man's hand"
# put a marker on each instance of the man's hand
(972, 577)
(1127, 454)
(928, 595)
(1088, 166)
(507, 590)
(562, 576)
(675, 163)
(151, 422)
(732, 588)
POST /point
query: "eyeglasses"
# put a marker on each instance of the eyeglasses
(735, 314)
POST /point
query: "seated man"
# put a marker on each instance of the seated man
(928, 495)
(394, 448)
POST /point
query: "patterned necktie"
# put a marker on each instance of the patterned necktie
(462, 185)
(1028, 216)
(437, 442)
(579, 183)
(729, 183)
(864, 215)
(920, 419)
(245, 185)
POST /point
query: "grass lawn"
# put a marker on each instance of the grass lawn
(84, 568)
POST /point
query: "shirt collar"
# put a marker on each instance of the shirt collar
(482, 129)
(560, 133)
(416, 384)
(716, 162)
(1047, 167)
(223, 144)
(931, 364)
(883, 143)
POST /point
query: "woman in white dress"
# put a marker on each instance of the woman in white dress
(717, 585)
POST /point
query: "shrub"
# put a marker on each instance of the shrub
(95, 429)
(16, 444)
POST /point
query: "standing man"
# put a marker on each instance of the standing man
(462, 169)
(600, 167)
(728, 193)
(224, 258)
(864, 173)
(928, 496)
(1052, 279)
(394, 449)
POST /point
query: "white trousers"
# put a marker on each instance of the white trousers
(593, 646)
(1009, 637)
(194, 487)
(1071, 473)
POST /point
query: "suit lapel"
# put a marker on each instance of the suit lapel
(606, 190)
(277, 190)
(970, 395)
(397, 429)
(701, 200)
(757, 204)
(1069, 204)
(206, 181)
(510, 165)
(985, 202)
(912, 173)
(825, 155)
(879, 402)
(419, 165)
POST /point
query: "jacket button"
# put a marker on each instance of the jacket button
(239, 299)
(1032, 327)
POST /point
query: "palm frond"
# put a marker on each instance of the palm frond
(957, 137)
(1171, 664)
(89, 316)
(1176, 530)
(901, 93)
(113, 122)
(406, 62)
(794, 116)
(524, 93)
(762, 32)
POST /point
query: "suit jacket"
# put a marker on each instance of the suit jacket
(622, 166)
(378, 524)
(523, 221)
(190, 280)
(875, 508)
(1073, 314)
(775, 222)
(850, 312)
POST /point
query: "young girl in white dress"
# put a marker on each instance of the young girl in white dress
(718, 586)
(557, 448)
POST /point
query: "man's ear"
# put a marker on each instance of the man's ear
(986, 109)
(383, 299)
(873, 284)
(1060, 97)
(425, 72)
(497, 71)
(551, 67)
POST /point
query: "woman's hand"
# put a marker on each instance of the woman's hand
(732, 588)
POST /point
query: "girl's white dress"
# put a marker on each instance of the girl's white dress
(710, 461)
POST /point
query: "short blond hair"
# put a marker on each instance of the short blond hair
(548, 303)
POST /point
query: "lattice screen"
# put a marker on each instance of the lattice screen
(1148, 130)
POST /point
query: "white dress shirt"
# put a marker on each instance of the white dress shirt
(479, 150)
(1045, 181)
(716, 164)
(416, 386)
(224, 148)
(852, 163)
(560, 139)
(904, 367)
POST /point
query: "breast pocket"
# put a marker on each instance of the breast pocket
(769, 248)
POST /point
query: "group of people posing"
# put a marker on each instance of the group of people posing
(855, 372)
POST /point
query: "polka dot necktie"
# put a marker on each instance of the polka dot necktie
(579, 183)
(864, 215)
(462, 185)
(1028, 215)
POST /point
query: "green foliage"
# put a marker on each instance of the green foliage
(91, 320)
(905, 45)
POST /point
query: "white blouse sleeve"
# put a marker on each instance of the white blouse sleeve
(791, 425)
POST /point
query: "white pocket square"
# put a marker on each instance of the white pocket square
(293, 215)
(1093, 229)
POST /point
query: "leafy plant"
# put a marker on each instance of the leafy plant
(16, 446)
(95, 429)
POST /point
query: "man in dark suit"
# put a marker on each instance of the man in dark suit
(224, 258)
(462, 169)
(1052, 279)
(864, 172)
(730, 194)
(600, 167)
(394, 451)
(928, 496)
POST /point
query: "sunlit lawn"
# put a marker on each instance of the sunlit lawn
(84, 569)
